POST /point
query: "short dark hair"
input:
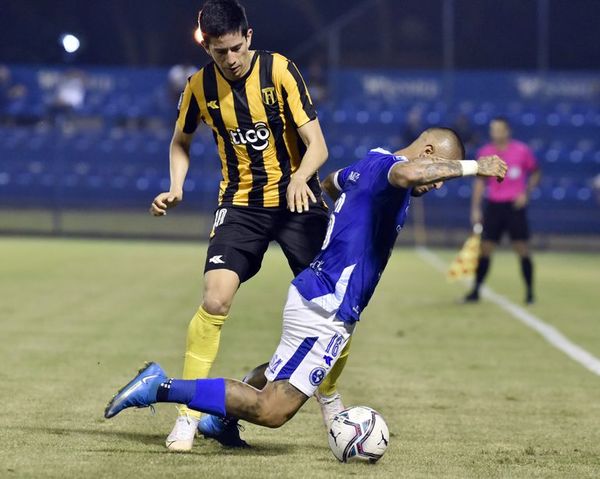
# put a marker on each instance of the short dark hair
(220, 17)
(502, 119)
(453, 136)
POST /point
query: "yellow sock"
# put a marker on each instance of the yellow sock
(202, 344)
(329, 385)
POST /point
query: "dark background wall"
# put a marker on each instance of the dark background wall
(392, 33)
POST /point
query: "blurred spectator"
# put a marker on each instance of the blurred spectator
(68, 96)
(317, 80)
(178, 75)
(596, 187)
(10, 93)
(414, 125)
(464, 129)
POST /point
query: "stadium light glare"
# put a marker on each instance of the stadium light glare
(198, 35)
(70, 42)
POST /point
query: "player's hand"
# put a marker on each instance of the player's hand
(521, 201)
(492, 166)
(421, 190)
(298, 194)
(476, 216)
(165, 201)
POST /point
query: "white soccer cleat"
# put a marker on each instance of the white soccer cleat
(330, 406)
(182, 436)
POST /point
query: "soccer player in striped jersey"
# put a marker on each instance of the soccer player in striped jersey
(326, 300)
(270, 145)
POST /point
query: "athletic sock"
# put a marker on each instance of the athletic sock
(527, 271)
(482, 269)
(179, 391)
(203, 338)
(328, 387)
(200, 395)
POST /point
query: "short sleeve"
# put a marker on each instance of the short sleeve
(531, 163)
(188, 111)
(296, 96)
(340, 177)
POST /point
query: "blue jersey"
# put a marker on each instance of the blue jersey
(363, 228)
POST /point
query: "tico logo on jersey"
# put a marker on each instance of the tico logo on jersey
(257, 137)
(268, 95)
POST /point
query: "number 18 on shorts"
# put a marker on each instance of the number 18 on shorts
(311, 342)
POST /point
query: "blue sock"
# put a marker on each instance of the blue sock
(209, 397)
(205, 395)
(176, 390)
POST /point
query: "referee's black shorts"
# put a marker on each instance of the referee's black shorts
(241, 236)
(503, 217)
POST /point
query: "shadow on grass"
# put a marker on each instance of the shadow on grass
(202, 446)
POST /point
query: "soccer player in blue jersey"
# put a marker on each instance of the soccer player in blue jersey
(325, 301)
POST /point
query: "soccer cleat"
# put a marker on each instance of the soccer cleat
(472, 297)
(225, 430)
(529, 298)
(182, 436)
(139, 392)
(330, 406)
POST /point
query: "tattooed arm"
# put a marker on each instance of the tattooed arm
(429, 169)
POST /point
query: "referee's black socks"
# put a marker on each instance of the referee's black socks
(527, 271)
(482, 270)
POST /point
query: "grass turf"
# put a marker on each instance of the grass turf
(467, 391)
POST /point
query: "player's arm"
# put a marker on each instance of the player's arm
(179, 162)
(427, 169)
(329, 185)
(532, 182)
(305, 120)
(418, 191)
(179, 153)
(298, 192)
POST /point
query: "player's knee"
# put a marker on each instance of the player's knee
(216, 304)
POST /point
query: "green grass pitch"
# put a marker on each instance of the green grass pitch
(466, 391)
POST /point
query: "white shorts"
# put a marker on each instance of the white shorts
(311, 341)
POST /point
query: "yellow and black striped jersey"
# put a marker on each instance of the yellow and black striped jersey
(254, 122)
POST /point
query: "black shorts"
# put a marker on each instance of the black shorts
(241, 236)
(499, 218)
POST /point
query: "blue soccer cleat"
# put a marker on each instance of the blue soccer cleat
(139, 392)
(225, 430)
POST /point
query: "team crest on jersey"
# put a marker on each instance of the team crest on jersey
(268, 95)
(316, 376)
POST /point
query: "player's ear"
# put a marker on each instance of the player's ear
(205, 46)
(249, 37)
(428, 150)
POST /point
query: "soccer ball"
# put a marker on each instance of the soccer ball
(358, 433)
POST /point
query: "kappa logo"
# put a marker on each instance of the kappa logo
(268, 95)
(354, 176)
(213, 105)
(217, 259)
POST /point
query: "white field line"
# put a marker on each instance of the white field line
(548, 332)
